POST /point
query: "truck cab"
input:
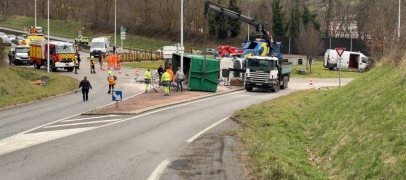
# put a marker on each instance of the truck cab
(99, 47)
(267, 72)
(20, 54)
(61, 55)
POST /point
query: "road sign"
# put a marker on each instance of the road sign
(79, 32)
(122, 35)
(122, 29)
(340, 51)
(117, 96)
(25, 28)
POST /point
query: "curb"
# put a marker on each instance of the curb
(42, 99)
(149, 108)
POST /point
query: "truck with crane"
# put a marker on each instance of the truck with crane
(261, 62)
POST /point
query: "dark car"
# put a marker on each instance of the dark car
(210, 51)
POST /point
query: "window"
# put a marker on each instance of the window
(98, 45)
(21, 50)
(65, 49)
(264, 65)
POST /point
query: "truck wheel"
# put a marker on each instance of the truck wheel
(287, 82)
(284, 82)
(276, 87)
(249, 88)
(52, 67)
(70, 69)
(36, 66)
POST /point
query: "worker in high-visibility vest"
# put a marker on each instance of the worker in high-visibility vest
(147, 79)
(166, 81)
(169, 70)
(92, 67)
(76, 65)
(112, 81)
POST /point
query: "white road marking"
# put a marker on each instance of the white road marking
(159, 170)
(204, 130)
(70, 120)
(21, 141)
(74, 124)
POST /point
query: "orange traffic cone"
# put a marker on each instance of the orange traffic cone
(136, 72)
(311, 81)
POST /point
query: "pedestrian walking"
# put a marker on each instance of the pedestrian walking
(147, 80)
(160, 72)
(166, 81)
(179, 77)
(100, 61)
(92, 70)
(10, 57)
(112, 81)
(169, 70)
(85, 85)
(114, 49)
(76, 65)
(78, 57)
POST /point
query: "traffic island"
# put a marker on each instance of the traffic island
(154, 100)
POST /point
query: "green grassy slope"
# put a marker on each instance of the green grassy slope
(353, 132)
(16, 87)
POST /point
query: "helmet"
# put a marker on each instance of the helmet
(92, 57)
(110, 72)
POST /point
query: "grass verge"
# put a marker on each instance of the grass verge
(353, 132)
(318, 71)
(144, 64)
(16, 87)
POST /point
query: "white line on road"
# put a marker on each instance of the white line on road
(204, 130)
(159, 170)
(70, 120)
(23, 140)
(75, 124)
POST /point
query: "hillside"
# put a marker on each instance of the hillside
(353, 132)
(16, 86)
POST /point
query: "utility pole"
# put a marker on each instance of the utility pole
(115, 23)
(248, 33)
(399, 21)
(181, 35)
(35, 14)
(48, 41)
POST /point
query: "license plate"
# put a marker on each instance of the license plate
(258, 84)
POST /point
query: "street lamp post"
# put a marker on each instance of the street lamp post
(181, 34)
(48, 41)
(115, 23)
(35, 13)
(399, 21)
(248, 33)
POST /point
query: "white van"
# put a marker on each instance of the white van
(99, 46)
(350, 60)
(167, 51)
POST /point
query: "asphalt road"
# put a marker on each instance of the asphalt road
(112, 147)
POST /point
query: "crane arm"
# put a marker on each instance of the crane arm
(259, 25)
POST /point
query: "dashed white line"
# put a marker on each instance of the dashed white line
(75, 124)
(204, 130)
(159, 170)
(70, 120)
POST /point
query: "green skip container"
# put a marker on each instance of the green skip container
(202, 74)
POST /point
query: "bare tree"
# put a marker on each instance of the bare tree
(309, 43)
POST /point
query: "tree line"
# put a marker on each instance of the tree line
(376, 20)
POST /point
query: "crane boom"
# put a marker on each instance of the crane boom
(259, 25)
